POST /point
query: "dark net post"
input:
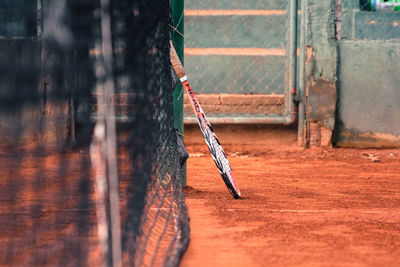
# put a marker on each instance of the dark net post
(177, 38)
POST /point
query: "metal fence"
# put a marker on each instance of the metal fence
(239, 58)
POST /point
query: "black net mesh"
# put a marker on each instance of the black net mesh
(89, 162)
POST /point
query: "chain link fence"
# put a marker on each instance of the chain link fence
(236, 56)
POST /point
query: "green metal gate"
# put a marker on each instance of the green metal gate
(240, 57)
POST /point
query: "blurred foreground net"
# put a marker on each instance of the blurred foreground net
(86, 104)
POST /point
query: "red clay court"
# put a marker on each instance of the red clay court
(314, 207)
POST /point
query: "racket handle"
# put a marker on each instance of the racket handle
(176, 63)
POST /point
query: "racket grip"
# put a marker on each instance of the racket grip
(176, 63)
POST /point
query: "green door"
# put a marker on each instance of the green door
(236, 57)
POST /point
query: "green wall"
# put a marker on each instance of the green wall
(369, 89)
(18, 18)
(368, 109)
(317, 73)
(351, 80)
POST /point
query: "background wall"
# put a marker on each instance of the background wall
(42, 85)
(368, 112)
(350, 82)
(318, 75)
(351, 75)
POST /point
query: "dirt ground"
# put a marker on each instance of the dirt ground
(314, 207)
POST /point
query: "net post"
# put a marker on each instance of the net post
(177, 38)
